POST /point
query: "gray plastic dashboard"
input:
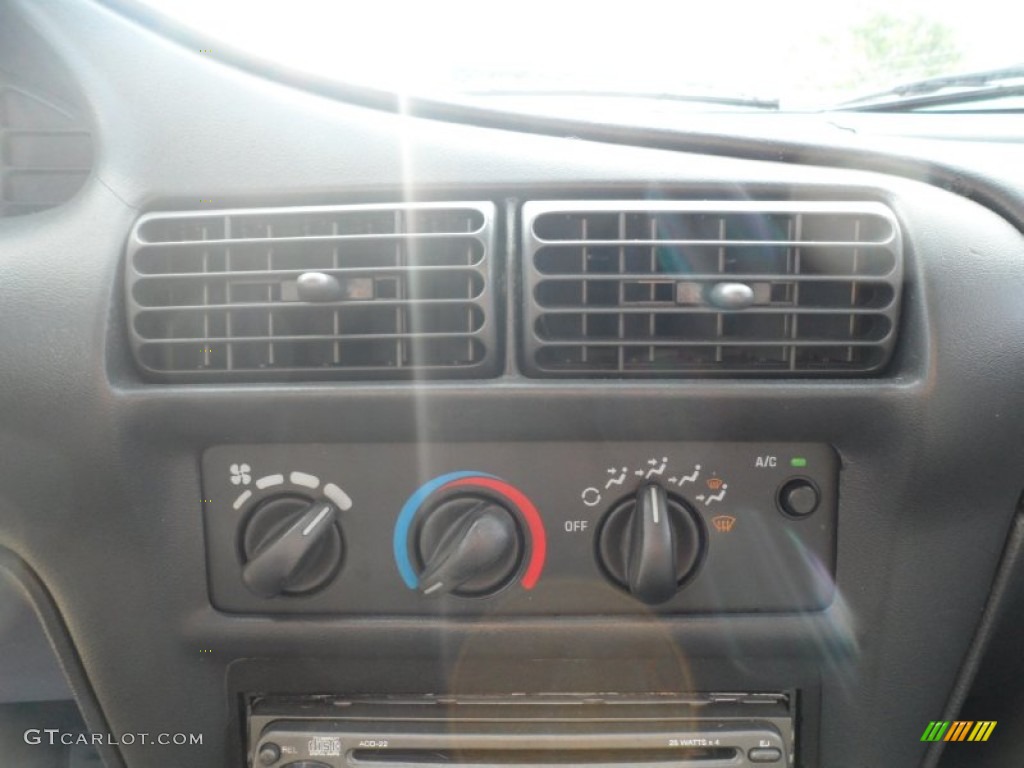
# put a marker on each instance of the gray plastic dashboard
(100, 483)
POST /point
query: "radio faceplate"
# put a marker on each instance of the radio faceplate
(520, 528)
(662, 731)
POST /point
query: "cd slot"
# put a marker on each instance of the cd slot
(541, 758)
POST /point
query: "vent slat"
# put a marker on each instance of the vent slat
(722, 341)
(698, 277)
(639, 288)
(613, 242)
(209, 275)
(324, 223)
(304, 306)
(320, 337)
(217, 294)
(299, 239)
(673, 311)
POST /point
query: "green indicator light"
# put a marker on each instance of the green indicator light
(798, 462)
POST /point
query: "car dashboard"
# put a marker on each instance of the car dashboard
(340, 434)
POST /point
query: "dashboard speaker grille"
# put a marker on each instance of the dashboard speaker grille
(374, 292)
(676, 288)
(45, 153)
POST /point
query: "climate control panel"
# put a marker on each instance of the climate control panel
(519, 528)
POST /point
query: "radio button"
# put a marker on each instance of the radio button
(764, 755)
(269, 754)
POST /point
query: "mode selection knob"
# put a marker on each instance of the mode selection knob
(651, 544)
(469, 545)
(291, 545)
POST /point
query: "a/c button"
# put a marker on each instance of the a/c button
(798, 497)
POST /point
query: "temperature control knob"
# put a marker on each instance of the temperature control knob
(292, 545)
(469, 545)
(651, 544)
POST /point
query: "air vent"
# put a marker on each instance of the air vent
(674, 288)
(45, 153)
(376, 292)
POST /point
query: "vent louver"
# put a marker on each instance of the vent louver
(673, 288)
(376, 292)
(45, 153)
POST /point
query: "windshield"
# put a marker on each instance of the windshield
(793, 54)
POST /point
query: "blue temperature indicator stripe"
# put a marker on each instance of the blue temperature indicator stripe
(400, 542)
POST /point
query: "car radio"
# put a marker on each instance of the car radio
(661, 731)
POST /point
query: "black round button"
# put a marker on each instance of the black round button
(270, 753)
(798, 497)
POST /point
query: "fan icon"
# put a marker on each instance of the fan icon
(240, 474)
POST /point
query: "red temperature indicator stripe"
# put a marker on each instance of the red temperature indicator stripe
(539, 546)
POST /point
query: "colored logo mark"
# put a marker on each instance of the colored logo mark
(959, 730)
